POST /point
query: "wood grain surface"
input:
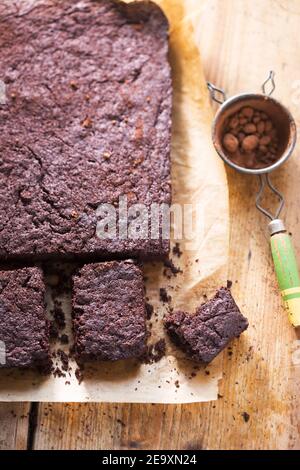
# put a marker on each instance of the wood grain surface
(14, 425)
(258, 407)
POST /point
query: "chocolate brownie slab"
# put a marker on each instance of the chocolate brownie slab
(204, 335)
(86, 120)
(109, 311)
(24, 329)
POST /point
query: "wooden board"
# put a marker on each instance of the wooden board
(241, 40)
(14, 425)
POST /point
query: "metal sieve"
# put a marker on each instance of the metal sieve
(281, 244)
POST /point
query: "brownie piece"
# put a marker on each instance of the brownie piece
(109, 311)
(87, 120)
(206, 333)
(24, 328)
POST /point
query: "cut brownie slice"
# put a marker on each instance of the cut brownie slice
(24, 328)
(204, 335)
(109, 311)
(86, 119)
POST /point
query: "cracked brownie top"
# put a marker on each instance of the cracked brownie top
(86, 120)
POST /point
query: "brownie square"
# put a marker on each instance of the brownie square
(24, 328)
(109, 311)
(206, 333)
(87, 120)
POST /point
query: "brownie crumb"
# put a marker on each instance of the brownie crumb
(155, 352)
(171, 269)
(79, 374)
(58, 372)
(58, 278)
(64, 339)
(64, 359)
(149, 311)
(229, 284)
(121, 422)
(176, 250)
(245, 416)
(58, 315)
(53, 330)
(163, 295)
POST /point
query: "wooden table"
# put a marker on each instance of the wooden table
(241, 41)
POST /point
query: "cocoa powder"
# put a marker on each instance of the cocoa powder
(250, 138)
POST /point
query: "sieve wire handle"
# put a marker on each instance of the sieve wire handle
(286, 269)
(217, 94)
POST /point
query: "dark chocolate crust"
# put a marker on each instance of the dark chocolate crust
(109, 312)
(87, 119)
(206, 333)
(24, 328)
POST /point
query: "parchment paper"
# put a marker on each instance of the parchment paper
(198, 178)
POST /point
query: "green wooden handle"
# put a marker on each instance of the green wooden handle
(287, 274)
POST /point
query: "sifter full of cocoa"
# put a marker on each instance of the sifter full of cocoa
(255, 134)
